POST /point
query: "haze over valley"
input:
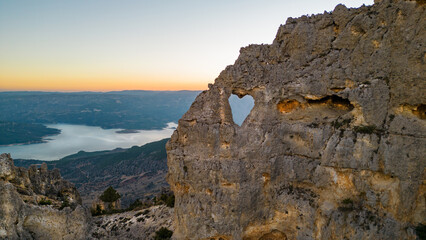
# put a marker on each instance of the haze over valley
(75, 138)
(96, 139)
(145, 110)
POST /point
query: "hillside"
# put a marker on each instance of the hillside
(134, 172)
(24, 133)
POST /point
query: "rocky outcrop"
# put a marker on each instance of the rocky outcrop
(38, 204)
(334, 146)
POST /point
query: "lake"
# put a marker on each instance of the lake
(74, 138)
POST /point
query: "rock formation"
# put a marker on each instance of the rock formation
(335, 145)
(38, 204)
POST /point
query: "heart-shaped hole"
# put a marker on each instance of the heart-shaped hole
(241, 107)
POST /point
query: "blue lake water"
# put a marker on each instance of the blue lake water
(74, 138)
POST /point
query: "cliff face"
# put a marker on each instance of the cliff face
(334, 146)
(36, 203)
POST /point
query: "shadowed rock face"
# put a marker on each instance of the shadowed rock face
(334, 146)
(36, 203)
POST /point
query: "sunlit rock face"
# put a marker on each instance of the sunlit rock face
(334, 147)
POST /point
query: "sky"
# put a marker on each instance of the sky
(104, 45)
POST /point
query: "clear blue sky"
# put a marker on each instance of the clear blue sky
(134, 44)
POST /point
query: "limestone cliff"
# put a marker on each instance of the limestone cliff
(335, 145)
(36, 203)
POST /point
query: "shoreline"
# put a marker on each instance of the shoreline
(26, 143)
(41, 140)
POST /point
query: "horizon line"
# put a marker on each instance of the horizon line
(100, 91)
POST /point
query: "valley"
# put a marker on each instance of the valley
(127, 110)
(102, 139)
(136, 172)
(75, 138)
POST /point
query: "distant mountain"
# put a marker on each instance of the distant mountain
(135, 172)
(124, 109)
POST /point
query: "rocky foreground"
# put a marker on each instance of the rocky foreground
(36, 203)
(335, 145)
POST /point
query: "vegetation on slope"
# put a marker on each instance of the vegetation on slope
(134, 172)
(21, 133)
(110, 195)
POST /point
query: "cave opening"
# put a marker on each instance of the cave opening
(420, 111)
(333, 101)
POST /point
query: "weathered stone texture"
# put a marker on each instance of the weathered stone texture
(21, 214)
(335, 145)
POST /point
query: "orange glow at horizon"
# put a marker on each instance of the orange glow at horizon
(102, 83)
(106, 45)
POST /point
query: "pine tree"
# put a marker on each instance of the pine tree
(110, 195)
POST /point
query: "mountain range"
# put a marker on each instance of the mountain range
(123, 110)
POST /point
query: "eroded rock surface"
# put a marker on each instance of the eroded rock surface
(335, 145)
(36, 203)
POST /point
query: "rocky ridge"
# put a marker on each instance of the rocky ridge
(334, 146)
(37, 203)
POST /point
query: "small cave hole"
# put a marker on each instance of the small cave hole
(287, 106)
(240, 107)
(420, 111)
(333, 101)
(357, 30)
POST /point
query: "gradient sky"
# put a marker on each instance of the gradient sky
(102, 45)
